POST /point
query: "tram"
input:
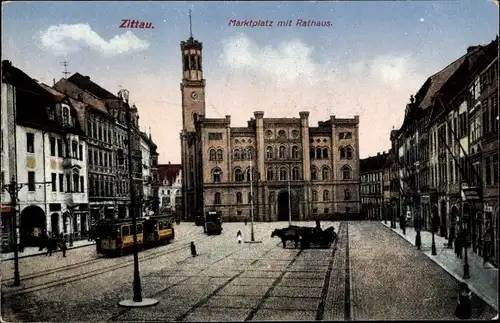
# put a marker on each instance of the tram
(213, 222)
(114, 236)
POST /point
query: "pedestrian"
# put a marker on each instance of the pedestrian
(464, 305)
(239, 236)
(63, 245)
(246, 221)
(193, 249)
(50, 245)
(458, 247)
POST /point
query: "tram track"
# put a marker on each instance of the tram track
(77, 277)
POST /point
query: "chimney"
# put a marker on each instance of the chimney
(169, 163)
(378, 154)
(53, 81)
(7, 63)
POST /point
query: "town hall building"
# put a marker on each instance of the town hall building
(286, 167)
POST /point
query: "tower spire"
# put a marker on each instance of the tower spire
(190, 26)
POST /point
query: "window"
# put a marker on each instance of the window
(237, 154)
(74, 149)
(326, 195)
(244, 154)
(215, 136)
(318, 153)
(251, 177)
(76, 179)
(314, 196)
(295, 174)
(217, 199)
(54, 184)
(213, 154)
(347, 194)
(2, 178)
(269, 152)
(283, 174)
(30, 142)
(346, 172)
(1, 140)
(315, 211)
(270, 174)
(282, 134)
(341, 135)
(348, 135)
(314, 173)
(342, 152)
(52, 141)
(295, 152)
(250, 197)
(216, 174)
(249, 152)
(80, 152)
(61, 183)
(219, 154)
(487, 165)
(325, 153)
(31, 181)
(311, 153)
(327, 210)
(68, 183)
(82, 185)
(238, 175)
(325, 174)
(282, 152)
(494, 113)
(239, 198)
(348, 152)
(495, 169)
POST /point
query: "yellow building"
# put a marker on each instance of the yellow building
(299, 171)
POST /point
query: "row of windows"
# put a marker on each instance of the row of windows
(371, 189)
(283, 174)
(282, 152)
(100, 158)
(241, 154)
(100, 131)
(239, 196)
(374, 177)
(74, 184)
(103, 186)
(59, 145)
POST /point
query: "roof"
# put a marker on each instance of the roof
(168, 172)
(373, 163)
(85, 83)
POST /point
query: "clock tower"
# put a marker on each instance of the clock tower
(193, 84)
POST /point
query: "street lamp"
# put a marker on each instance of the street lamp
(433, 228)
(465, 242)
(418, 238)
(289, 200)
(137, 300)
(13, 190)
(385, 212)
(252, 236)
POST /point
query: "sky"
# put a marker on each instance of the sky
(368, 62)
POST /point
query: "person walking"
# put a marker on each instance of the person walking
(464, 305)
(64, 247)
(239, 236)
(50, 245)
(458, 246)
(193, 249)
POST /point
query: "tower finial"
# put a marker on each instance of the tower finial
(190, 26)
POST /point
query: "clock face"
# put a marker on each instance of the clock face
(195, 95)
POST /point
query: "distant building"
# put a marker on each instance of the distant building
(374, 185)
(170, 178)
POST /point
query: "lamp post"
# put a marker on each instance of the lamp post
(289, 202)
(252, 235)
(385, 212)
(433, 228)
(418, 238)
(13, 190)
(137, 300)
(465, 242)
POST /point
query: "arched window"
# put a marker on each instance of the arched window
(270, 174)
(311, 153)
(217, 199)
(213, 154)
(295, 174)
(237, 154)
(346, 172)
(325, 173)
(282, 134)
(314, 196)
(325, 153)
(347, 194)
(238, 175)
(342, 152)
(239, 198)
(314, 173)
(244, 154)
(282, 153)
(216, 174)
(195, 117)
(295, 152)
(348, 152)
(283, 174)
(269, 152)
(254, 175)
(326, 195)
(318, 153)
(219, 154)
(250, 152)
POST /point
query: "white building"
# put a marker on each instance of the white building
(146, 173)
(44, 152)
(170, 178)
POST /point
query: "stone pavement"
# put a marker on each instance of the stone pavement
(33, 251)
(483, 279)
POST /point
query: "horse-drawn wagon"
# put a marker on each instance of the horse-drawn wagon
(307, 236)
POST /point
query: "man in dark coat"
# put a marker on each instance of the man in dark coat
(193, 249)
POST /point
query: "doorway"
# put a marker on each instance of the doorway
(54, 224)
(283, 208)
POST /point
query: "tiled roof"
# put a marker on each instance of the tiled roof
(85, 83)
(373, 163)
(168, 172)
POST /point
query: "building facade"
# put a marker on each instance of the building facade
(374, 186)
(170, 177)
(45, 154)
(448, 151)
(268, 165)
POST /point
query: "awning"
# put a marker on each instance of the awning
(5, 208)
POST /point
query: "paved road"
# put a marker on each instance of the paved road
(230, 281)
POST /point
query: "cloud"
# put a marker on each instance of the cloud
(67, 39)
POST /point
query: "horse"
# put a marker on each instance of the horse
(286, 234)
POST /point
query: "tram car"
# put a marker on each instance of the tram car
(115, 237)
(213, 222)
